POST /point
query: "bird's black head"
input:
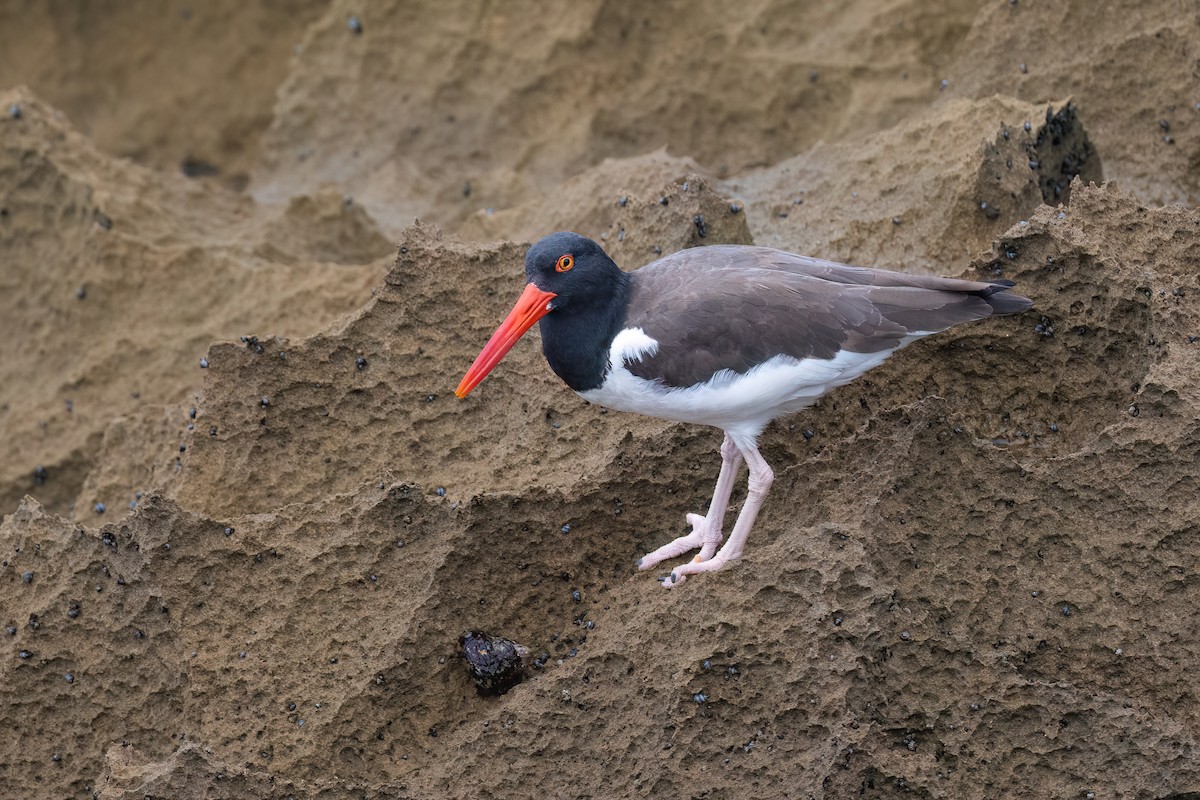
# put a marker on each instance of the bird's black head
(575, 268)
(571, 275)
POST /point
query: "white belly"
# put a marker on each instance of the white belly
(740, 403)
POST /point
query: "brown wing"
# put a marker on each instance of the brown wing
(733, 307)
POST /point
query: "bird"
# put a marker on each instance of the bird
(731, 336)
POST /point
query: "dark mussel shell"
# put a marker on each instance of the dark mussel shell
(495, 664)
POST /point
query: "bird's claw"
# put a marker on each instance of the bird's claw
(680, 573)
(672, 580)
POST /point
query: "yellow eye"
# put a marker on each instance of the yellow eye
(565, 262)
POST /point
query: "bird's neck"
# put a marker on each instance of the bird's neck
(576, 342)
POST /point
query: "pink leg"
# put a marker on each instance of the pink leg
(761, 478)
(706, 530)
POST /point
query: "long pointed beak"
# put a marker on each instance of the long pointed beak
(532, 306)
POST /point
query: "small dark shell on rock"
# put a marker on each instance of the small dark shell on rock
(494, 663)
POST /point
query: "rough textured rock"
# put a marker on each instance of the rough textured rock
(975, 575)
(638, 208)
(115, 280)
(969, 170)
(177, 86)
(1131, 65)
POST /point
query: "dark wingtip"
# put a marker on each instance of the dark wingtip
(1004, 302)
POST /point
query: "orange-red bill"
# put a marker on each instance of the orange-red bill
(531, 306)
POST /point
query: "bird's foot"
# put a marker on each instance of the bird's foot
(705, 536)
(693, 567)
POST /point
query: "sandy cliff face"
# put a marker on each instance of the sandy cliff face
(246, 520)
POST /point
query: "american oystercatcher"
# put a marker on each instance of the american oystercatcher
(727, 335)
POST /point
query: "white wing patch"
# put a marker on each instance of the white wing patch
(740, 403)
(632, 344)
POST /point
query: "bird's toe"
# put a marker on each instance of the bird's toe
(647, 561)
(670, 581)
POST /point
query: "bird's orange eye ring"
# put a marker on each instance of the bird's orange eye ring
(565, 262)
